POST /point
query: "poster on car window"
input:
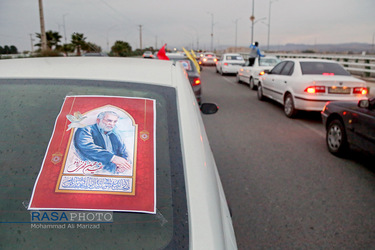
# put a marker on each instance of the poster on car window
(101, 156)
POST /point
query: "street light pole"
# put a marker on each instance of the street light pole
(140, 36)
(252, 18)
(269, 24)
(212, 32)
(235, 39)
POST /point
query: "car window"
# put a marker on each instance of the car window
(235, 57)
(277, 69)
(31, 108)
(264, 61)
(288, 69)
(186, 63)
(323, 68)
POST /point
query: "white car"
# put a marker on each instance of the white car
(307, 84)
(229, 63)
(208, 59)
(251, 74)
(190, 208)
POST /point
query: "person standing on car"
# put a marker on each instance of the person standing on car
(254, 53)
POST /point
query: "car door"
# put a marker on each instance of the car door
(363, 126)
(283, 82)
(252, 69)
(270, 88)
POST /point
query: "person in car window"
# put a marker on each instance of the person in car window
(254, 53)
(99, 142)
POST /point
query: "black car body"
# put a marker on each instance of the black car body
(350, 124)
(191, 70)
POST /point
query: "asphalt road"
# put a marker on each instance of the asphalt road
(286, 191)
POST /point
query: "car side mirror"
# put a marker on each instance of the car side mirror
(209, 108)
(363, 104)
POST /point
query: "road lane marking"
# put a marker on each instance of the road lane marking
(318, 132)
(229, 80)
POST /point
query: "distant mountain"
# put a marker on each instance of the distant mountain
(343, 48)
(317, 48)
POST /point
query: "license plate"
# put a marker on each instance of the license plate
(339, 90)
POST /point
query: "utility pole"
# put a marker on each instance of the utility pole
(212, 32)
(32, 44)
(140, 36)
(64, 28)
(42, 28)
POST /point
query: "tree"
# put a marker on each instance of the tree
(6, 49)
(53, 39)
(13, 49)
(121, 48)
(67, 48)
(78, 41)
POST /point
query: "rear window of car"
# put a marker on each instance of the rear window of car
(268, 61)
(186, 63)
(235, 57)
(323, 68)
(30, 108)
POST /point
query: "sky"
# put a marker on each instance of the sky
(189, 23)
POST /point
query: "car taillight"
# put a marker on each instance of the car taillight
(328, 74)
(215, 60)
(360, 90)
(225, 64)
(315, 89)
(261, 73)
(196, 81)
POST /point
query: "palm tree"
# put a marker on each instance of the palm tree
(78, 40)
(53, 39)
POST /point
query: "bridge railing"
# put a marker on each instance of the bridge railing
(363, 66)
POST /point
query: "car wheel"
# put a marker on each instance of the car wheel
(260, 93)
(252, 84)
(289, 109)
(336, 138)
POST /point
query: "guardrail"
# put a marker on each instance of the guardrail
(363, 66)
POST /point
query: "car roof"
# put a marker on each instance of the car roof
(232, 54)
(106, 68)
(307, 60)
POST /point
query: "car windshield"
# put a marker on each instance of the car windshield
(323, 68)
(30, 111)
(264, 61)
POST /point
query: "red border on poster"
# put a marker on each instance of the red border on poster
(70, 180)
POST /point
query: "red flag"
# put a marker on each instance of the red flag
(161, 54)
